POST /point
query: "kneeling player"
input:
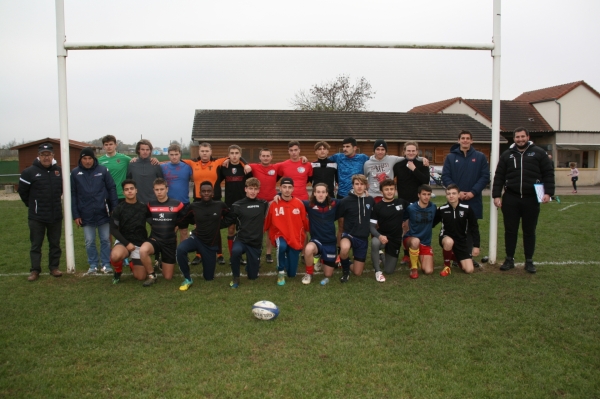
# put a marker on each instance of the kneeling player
(386, 228)
(321, 210)
(128, 226)
(458, 222)
(356, 209)
(418, 238)
(166, 214)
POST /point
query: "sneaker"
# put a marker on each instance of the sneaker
(557, 199)
(269, 258)
(380, 277)
(116, 280)
(91, 271)
(414, 273)
(529, 266)
(280, 279)
(324, 281)
(344, 278)
(220, 260)
(126, 262)
(307, 279)
(509, 263)
(185, 285)
(197, 260)
(107, 269)
(475, 263)
(233, 284)
(158, 264)
(150, 280)
(455, 264)
(318, 266)
(445, 271)
(243, 261)
(405, 260)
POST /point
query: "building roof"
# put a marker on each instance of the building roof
(513, 114)
(260, 125)
(434, 108)
(554, 92)
(72, 143)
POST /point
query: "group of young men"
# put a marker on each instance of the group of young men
(118, 196)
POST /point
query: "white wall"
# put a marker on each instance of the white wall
(580, 110)
(462, 108)
(549, 110)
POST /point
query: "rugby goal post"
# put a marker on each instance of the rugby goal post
(62, 46)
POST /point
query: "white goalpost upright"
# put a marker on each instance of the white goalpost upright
(62, 47)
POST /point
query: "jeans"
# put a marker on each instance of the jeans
(287, 257)
(89, 233)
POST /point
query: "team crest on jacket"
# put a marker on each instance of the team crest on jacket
(57, 172)
(271, 172)
(170, 209)
(234, 170)
(296, 211)
(301, 169)
(398, 207)
(461, 213)
(473, 160)
(368, 206)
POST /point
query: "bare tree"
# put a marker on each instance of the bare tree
(336, 95)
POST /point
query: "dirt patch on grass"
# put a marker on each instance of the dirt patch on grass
(9, 197)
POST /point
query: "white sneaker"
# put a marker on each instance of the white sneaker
(380, 277)
(307, 279)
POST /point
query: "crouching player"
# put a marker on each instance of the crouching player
(458, 223)
(249, 214)
(210, 217)
(418, 238)
(287, 225)
(356, 209)
(387, 221)
(128, 226)
(321, 210)
(166, 213)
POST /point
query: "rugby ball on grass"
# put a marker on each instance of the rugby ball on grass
(265, 310)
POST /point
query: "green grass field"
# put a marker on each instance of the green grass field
(9, 168)
(486, 335)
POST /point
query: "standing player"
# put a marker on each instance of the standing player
(410, 173)
(295, 169)
(210, 217)
(178, 175)
(166, 213)
(458, 222)
(128, 226)
(235, 186)
(321, 211)
(250, 214)
(356, 210)
(349, 163)
(267, 174)
(324, 171)
(115, 162)
(144, 172)
(287, 225)
(418, 238)
(387, 221)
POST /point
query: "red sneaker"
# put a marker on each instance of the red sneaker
(414, 273)
(446, 271)
(405, 260)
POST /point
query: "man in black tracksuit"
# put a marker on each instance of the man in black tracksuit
(209, 216)
(521, 167)
(250, 214)
(40, 188)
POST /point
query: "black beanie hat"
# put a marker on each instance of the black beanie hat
(380, 143)
(87, 152)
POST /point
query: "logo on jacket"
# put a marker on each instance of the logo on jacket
(57, 172)
(296, 211)
(170, 209)
(399, 207)
(234, 170)
(271, 172)
(301, 169)
(461, 213)
(80, 173)
(38, 175)
(473, 160)
(161, 215)
(368, 206)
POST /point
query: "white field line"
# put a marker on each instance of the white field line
(273, 273)
(570, 206)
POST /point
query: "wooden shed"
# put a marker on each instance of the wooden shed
(29, 151)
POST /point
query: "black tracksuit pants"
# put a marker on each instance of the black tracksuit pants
(516, 209)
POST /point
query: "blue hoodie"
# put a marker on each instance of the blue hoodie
(93, 194)
(471, 173)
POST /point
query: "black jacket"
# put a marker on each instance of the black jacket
(41, 189)
(250, 216)
(518, 171)
(458, 223)
(408, 181)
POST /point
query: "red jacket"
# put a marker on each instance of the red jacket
(287, 219)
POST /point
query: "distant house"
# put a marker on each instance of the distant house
(256, 129)
(564, 120)
(29, 151)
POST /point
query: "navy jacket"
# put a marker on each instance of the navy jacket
(471, 173)
(40, 189)
(93, 194)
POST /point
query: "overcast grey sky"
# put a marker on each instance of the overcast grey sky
(153, 93)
